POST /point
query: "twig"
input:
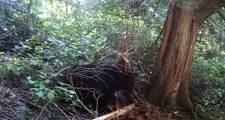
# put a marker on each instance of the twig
(42, 111)
(84, 105)
(4, 115)
(97, 98)
(13, 111)
(40, 107)
(60, 110)
(71, 81)
(59, 72)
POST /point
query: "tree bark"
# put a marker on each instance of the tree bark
(173, 65)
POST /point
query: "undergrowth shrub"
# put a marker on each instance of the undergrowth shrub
(208, 78)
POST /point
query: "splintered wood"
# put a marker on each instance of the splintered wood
(137, 111)
(115, 115)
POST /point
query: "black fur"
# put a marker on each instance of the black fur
(91, 82)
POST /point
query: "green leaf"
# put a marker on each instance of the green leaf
(48, 81)
(51, 95)
(37, 48)
(30, 80)
(40, 94)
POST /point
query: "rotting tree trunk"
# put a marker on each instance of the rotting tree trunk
(173, 65)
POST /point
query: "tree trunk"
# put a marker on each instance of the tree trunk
(173, 65)
(28, 19)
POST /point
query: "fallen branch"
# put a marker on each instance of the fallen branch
(116, 114)
(14, 111)
(60, 110)
(42, 111)
(35, 105)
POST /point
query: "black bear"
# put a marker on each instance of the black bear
(96, 85)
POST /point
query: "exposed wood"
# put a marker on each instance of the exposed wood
(123, 62)
(139, 111)
(126, 52)
(117, 113)
(165, 37)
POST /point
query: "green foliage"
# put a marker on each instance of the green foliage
(42, 40)
(14, 23)
(12, 66)
(66, 94)
(209, 78)
(54, 34)
(40, 87)
(208, 72)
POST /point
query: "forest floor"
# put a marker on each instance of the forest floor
(19, 104)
